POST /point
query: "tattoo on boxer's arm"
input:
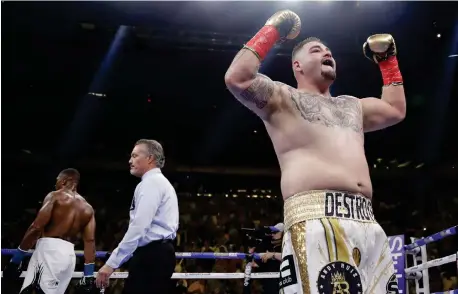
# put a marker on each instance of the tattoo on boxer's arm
(259, 92)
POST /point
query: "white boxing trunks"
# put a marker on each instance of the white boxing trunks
(51, 267)
(333, 245)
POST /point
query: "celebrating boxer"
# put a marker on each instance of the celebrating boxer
(332, 243)
(62, 217)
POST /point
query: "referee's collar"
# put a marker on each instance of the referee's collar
(151, 172)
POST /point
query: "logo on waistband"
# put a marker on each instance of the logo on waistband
(356, 254)
(339, 278)
(348, 206)
(392, 285)
(288, 275)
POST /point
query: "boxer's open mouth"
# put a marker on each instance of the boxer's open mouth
(328, 62)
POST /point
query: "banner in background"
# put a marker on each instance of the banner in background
(397, 253)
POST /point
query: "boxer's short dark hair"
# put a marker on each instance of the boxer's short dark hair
(71, 173)
(304, 42)
(155, 149)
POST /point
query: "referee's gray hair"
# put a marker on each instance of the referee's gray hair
(155, 149)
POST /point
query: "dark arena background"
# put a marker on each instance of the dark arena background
(83, 81)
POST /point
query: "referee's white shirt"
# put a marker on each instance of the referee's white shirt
(153, 216)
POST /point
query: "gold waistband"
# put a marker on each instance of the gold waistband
(320, 204)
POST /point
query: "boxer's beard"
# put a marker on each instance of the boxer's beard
(329, 75)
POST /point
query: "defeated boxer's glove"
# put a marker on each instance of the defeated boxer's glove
(381, 48)
(87, 285)
(12, 270)
(284, 24)
(87, 282)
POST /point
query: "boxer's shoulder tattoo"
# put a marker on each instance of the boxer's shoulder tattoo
(260, 91)
(341, 111)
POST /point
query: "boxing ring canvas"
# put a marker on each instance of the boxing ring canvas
(399, 252)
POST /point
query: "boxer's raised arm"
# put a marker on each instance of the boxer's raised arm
(89, 241)
(254, 90)
(382, 113)
(36, 228)
(391, 108)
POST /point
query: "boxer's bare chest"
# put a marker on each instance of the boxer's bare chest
(342, 111)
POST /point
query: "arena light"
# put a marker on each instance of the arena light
(404, 164)
(97, 94)
(438, 36)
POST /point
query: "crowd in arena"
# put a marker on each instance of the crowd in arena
(211, 220)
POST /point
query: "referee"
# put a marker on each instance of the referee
(152, 227)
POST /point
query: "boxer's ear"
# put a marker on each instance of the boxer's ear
(297, 66)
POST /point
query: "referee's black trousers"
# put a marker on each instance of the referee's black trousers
(151, 268)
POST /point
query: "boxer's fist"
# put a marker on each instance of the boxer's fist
(287, 23)
(379, 47)
(86, 285)
(12, 271)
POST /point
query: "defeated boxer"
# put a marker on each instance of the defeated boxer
(62, 217)
(332, 242)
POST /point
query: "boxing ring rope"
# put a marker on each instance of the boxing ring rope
(416, 272)
(433, 238)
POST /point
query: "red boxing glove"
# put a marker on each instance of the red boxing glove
(283, 24)
(263, 41)
(391, 74)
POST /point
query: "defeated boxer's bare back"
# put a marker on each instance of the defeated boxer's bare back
(70, 215)
(64, 215)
